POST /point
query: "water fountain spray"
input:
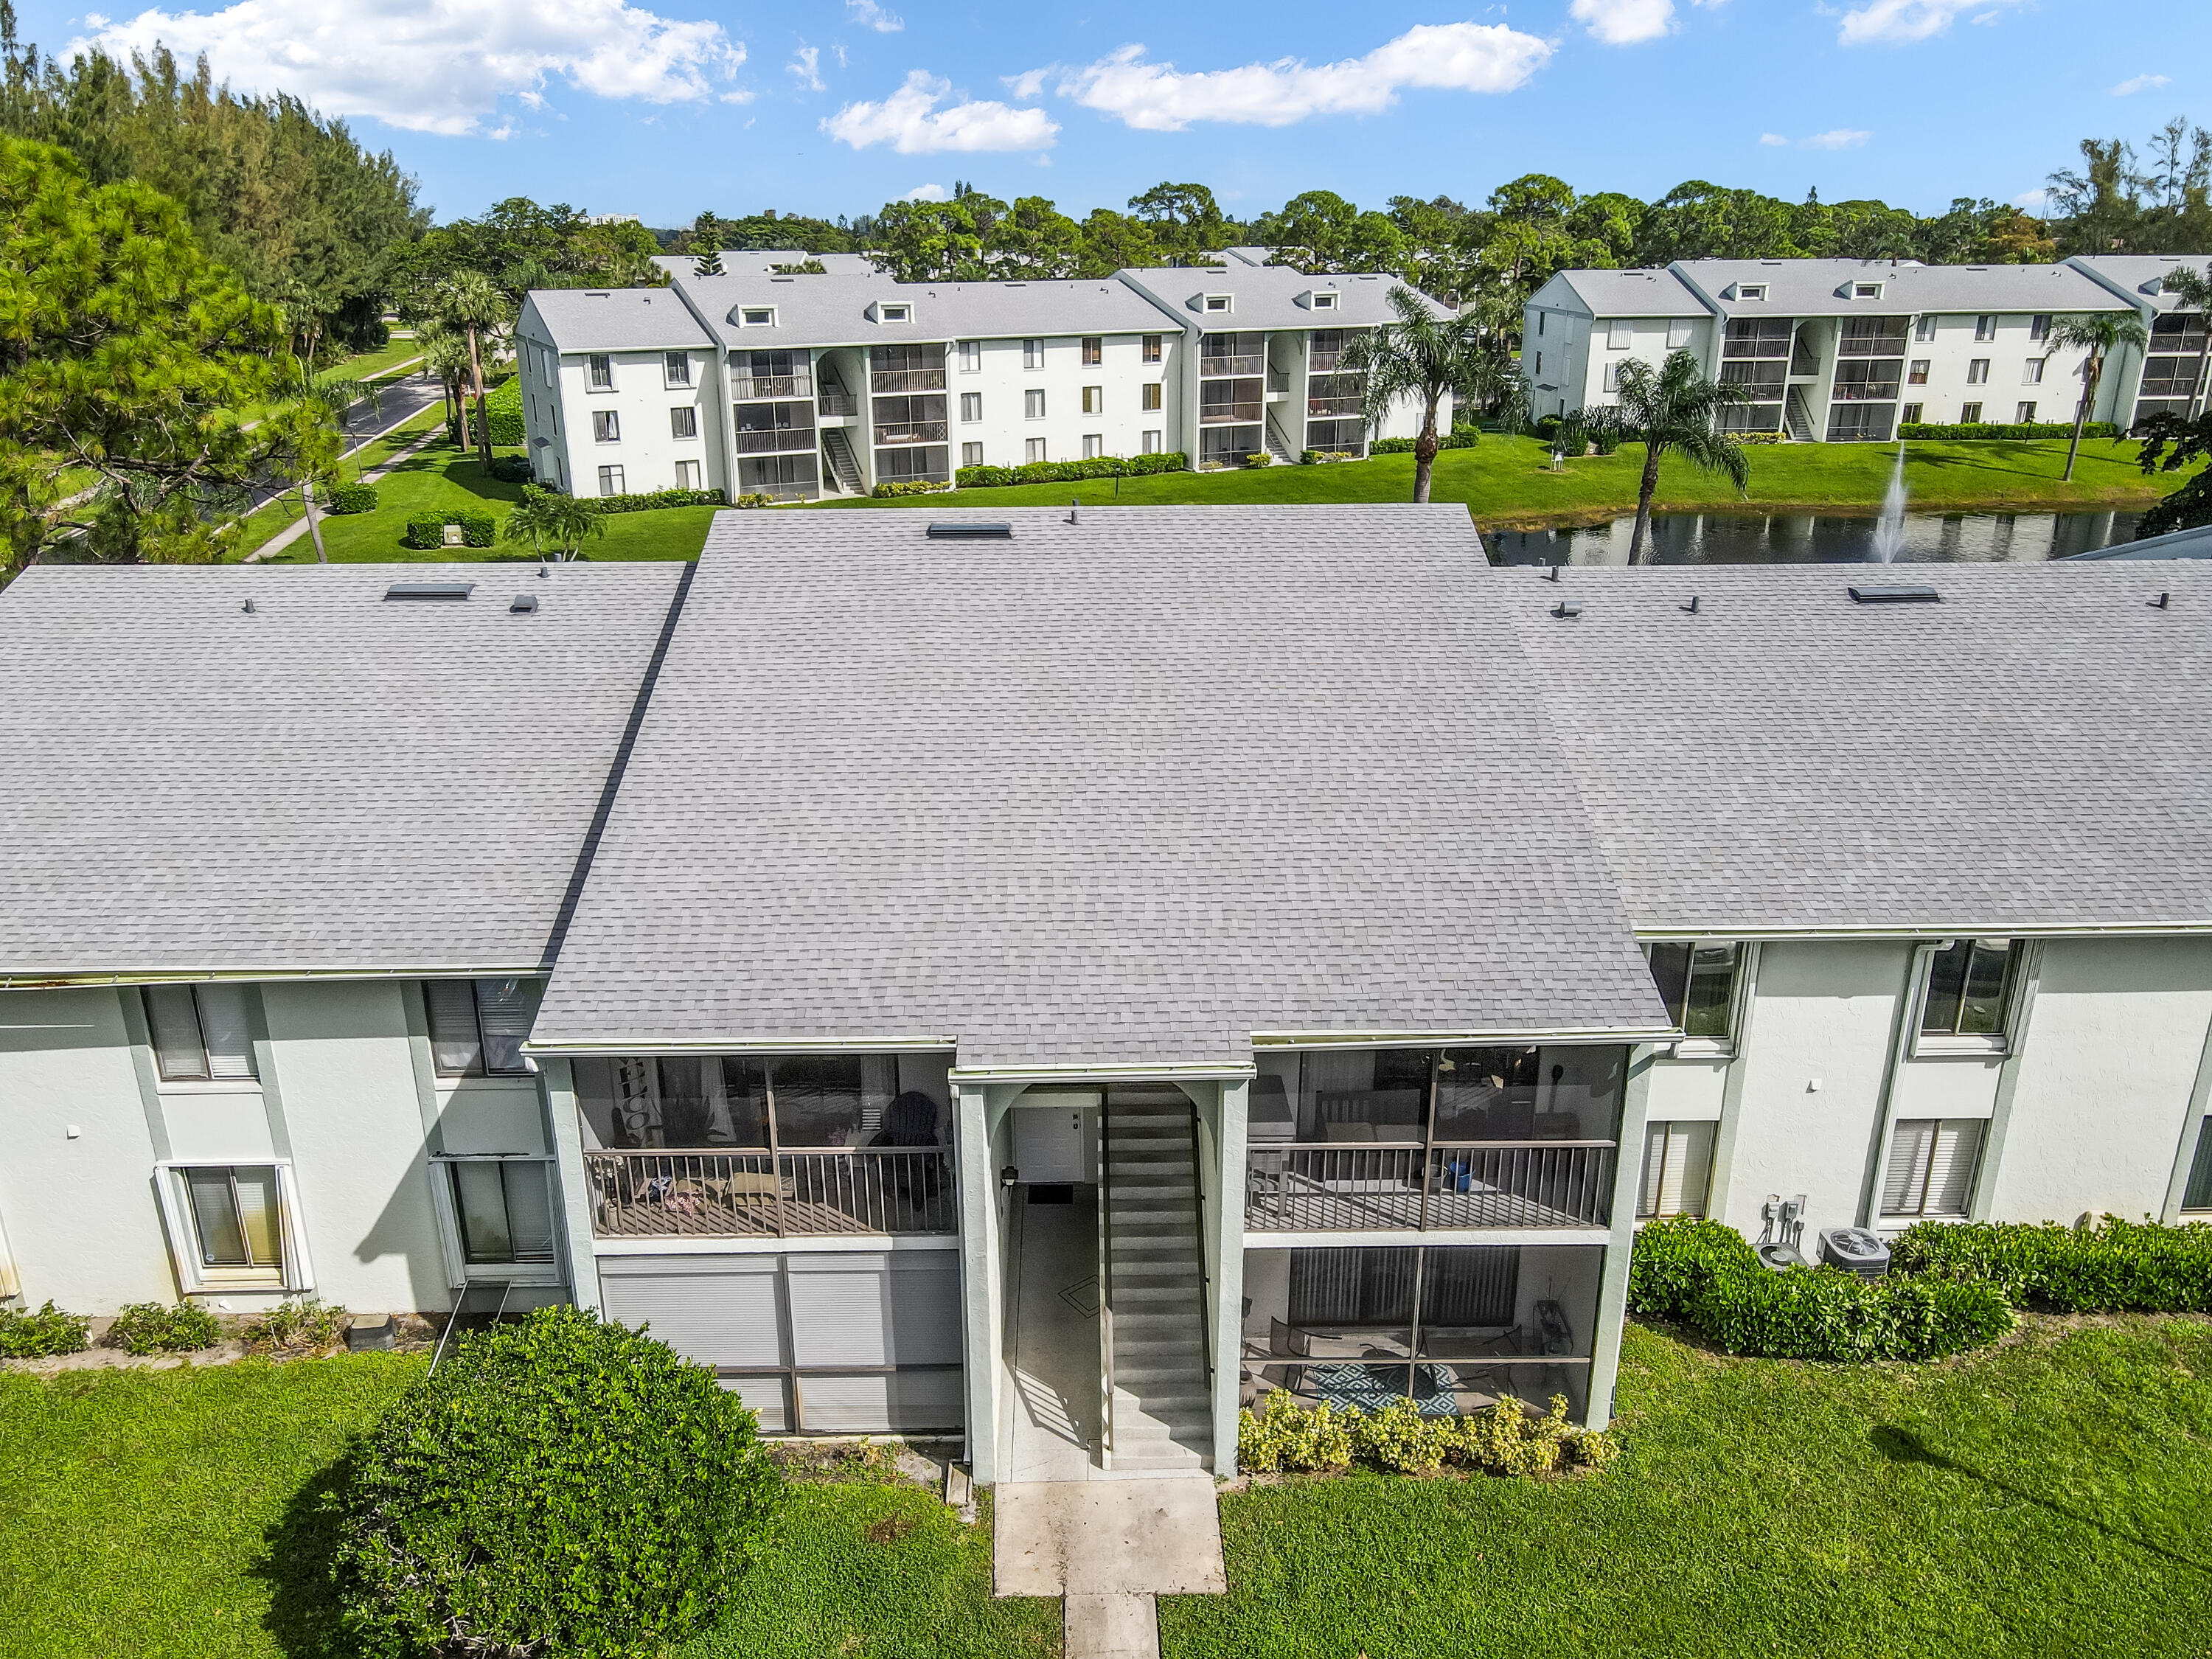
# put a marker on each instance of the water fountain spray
(1889, 528)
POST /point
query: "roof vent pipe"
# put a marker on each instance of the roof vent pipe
(2158, 604)
(249, 604)
(1073, 508)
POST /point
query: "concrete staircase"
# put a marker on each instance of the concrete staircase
(1277, 447)
(1161, 1412)
(844, 465)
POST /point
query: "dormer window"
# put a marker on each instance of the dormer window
(898, 314)
(756, 317)
(1324, 302)
(1866, 290)
(1753, 291)
(1217, 301)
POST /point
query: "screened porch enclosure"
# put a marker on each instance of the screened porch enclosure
(1453, 1328)
(1361, 1140)
(744, 1146)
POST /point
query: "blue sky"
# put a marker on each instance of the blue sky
(664, 107)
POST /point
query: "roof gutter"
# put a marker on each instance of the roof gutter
(1465, 1039)
(533, 968)
(877, 1045)
(1947, 930)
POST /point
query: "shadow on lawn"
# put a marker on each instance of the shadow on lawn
(1903, 1446)
(298, 1563)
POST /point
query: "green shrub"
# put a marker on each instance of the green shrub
(1506, 1439)
(1098, 466)
(151, 1327)
(754, 498)
(26, 1335)
(1704, 1274)
(559, 1486)
(503, 413)
(1740, 437)
(1458, 438)
(1310, 457)
(652, 500)
(425, 531)
(2115, 1267)
(889, 490)
(513, 469)
(2005, 429)
(308, 1323)
(350, 498)
(1259, 457)
(478, 529)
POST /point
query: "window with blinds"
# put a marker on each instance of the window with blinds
(1697, 984)
(1678, 1162)
(478, 1025)
(504, 1209)
(237, 1219)
(200, 1033)
(1931, 1166)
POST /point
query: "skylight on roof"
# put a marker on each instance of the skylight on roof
(970, 530)
(1896, 595)
(429, 590)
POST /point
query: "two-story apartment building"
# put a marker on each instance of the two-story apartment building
(1845, 349)
(778, 379)
(1045, 976)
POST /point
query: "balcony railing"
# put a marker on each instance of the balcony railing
(839, 403)
(775, 442)
(1865, 390)
(907, 380)
(1356, 1189)
(1323, 362)
(813, 1192)
(1250, 362)
(1331, 408)
(1231, 414)
(1870, 345)
(912, 432)
(751, 388)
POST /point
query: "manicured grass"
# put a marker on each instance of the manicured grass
(367, 365)
(1507, 483)
(2053, 1496)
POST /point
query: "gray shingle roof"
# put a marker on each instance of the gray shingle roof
(1122, 791)
(1646, 293)
(334, 782)
(2034, 751)
(1808, 288)
(2132, 274)
(610, 319)
(1266, 296)
(832, 309)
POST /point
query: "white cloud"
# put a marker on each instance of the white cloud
(1624, 22)
(869, 15)
(1908, 20)
(1772, 138)
(911, 123)
(1841, 138)
(2128, 89)
(437, 66)
(2033, 202)
(1029, 82)
(1158, 98)
(925, 193)
(806, 65)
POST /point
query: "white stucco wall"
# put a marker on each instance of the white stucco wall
(2106, 1075)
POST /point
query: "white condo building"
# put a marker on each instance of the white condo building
(1841, 350)
(796, 383)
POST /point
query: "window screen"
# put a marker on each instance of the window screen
(1677, 1168)
(200, 1033)
(1931, 1166)
(237, 1216)
(505, 1209)
(477, 1026)
(1968, 986)
(1697, 984)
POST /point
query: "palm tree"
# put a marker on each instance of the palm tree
(543, 516)
(2100, 336)
(1426, 357)
(2193, 288)
(446, 355)
(1675, 407)
(469, 304)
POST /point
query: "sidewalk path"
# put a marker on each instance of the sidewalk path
(1108, 1548)
(293, 532)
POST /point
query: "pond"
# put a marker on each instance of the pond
(1815, 538)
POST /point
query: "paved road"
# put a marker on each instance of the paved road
(398, 398)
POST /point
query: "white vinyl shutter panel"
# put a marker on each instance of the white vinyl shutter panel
(718, 1316)
(1677, 1168)
(454, 1045)
(174, 1021)
(1904, 1188)
(223, 1028)
(503, 1009)
(1951, 1170)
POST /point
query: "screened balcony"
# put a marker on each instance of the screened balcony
(1226, 402)
(745, 388)
(1872, 336)
(1420, 1139)
(904, 368)
(1231, 354)
(737, 1146)
(768, 429)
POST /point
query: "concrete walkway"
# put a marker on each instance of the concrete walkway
(292, 532)
(1108, 1548)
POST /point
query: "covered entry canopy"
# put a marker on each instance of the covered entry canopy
(1116, 793)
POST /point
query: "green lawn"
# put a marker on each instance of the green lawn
(1507, 483)
(2051, 1496)
(367, 365)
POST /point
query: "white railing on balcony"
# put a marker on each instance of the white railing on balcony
(839, 403)
(907, 380)
(791, 1194)
(1332, 407)
(912, 432)
(1231, 414)
(776, 441)
(1250, 362)
(751, 388)
(1354, 1188)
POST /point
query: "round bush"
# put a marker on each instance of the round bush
(559, 1486)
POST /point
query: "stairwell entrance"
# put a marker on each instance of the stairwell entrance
(1106, 1339)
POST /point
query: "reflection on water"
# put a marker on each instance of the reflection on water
(1816, 538)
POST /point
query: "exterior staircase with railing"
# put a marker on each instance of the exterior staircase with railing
(1159, 1406)
(844, 465)
(1284, 454)
(1797, 417)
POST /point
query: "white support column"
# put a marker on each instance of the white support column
(1613, 1279)
(983, 1292)
(557, 1082)
(1226, 1249)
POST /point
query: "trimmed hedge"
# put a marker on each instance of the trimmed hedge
(1706, 1276)
(1506, 1439)
(350, 498)
(513, 469)
(1457, 438)
(2005, 429)
(426, 531)
(649, 500)
(1100, 466)
(889, 490)
(2115, 1267)
(503, 412)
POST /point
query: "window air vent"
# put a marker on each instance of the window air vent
(969, 530)
(1568, 609)
(1895, 595)
(524, 602)
(429, 590)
